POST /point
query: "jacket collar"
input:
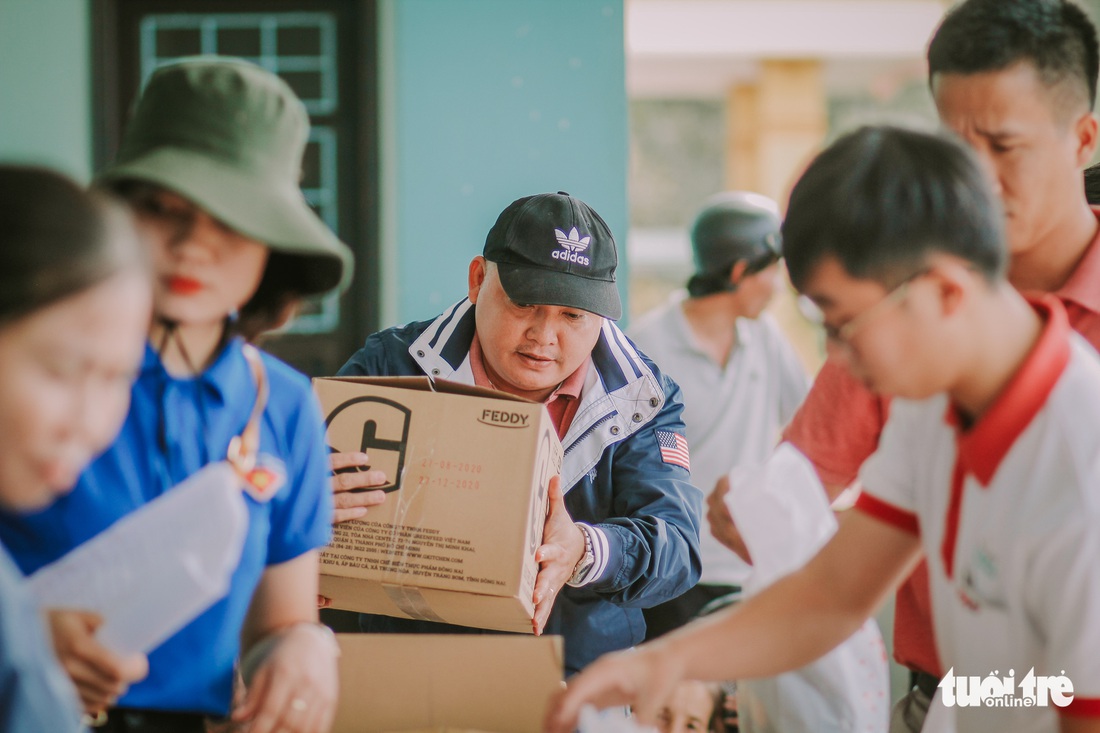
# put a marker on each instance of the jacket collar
(444, 347)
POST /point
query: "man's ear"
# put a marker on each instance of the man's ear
(954, 282)
(1086, 132)
(737, 274)
(476, 277)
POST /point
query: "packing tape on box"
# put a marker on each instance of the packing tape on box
(411, 602)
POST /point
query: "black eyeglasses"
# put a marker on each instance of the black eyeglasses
(845, 332)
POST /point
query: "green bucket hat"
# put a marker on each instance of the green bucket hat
(230, 136)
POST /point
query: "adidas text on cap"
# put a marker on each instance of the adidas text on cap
(553, 249)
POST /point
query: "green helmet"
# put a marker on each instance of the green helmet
(732, 227)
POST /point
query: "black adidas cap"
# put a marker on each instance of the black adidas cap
(553, 249)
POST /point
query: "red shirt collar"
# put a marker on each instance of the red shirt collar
(568, 389)
(1081, 287)
(982, 448)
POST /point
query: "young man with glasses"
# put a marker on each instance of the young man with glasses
(843, 334)
(987, 464)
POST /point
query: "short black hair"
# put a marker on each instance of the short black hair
(990, 35)
(702, 284)
(883, 198)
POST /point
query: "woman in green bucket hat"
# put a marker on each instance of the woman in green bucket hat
(210, 166)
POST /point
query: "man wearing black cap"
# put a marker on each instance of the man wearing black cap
(623, 529)
(741, 379)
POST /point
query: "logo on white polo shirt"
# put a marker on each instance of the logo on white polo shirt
(993, 691)
(572, 246)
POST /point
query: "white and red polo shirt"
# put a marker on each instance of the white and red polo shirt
(1008, 511)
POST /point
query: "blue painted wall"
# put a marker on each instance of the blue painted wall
(488, 101)
(45, 84)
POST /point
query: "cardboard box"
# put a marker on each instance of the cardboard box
(455, 539)
(395, 682)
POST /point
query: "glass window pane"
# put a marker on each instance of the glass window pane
(306, 84)
(299, 41)
(173, 42)
(239, 41)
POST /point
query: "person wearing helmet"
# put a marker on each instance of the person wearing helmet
(740, 376)
(210, 166)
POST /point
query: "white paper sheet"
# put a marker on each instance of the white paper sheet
(784, 518)
(782, 512)
(156, 569)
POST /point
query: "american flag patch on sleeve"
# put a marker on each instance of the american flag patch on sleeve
(674, 448)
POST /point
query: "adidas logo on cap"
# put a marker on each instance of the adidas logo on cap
(572, 245)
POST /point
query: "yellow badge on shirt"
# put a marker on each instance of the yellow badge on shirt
(265, 479)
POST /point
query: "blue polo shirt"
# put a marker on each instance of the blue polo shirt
(176, 426)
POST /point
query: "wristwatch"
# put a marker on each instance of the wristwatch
(586, 561)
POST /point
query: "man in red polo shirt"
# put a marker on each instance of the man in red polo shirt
(1016, 80)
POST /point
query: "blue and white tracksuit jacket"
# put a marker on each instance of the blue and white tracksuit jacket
(645, 512)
